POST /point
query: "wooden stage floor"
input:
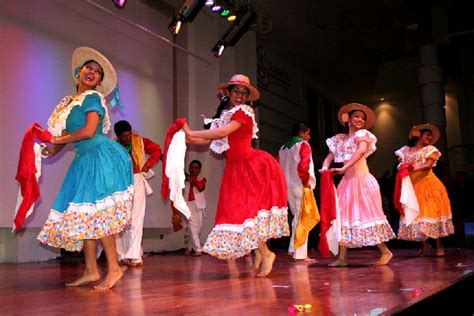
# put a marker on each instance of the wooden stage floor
(175, 284)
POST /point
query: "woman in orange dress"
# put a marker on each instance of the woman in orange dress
(435, 219)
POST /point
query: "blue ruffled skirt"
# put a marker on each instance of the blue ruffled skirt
(96, 197)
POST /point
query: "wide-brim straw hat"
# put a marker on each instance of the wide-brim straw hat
(84, 54)
(348, 108)
(254, 94)
(415, 131)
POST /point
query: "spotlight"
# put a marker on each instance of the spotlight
(231, 18)
(218, 49)
(242, 23)
(216, 8)
(209, 3)
(225, 12)
(119, 3)
(186, 13)
(175, 26)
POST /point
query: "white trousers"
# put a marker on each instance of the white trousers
(193, 227)
(129, 241)
(295, 195)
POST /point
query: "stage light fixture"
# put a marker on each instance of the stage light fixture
(186, 13)
(119, 3)
(218, 49)
(231, 17)
(175, 26)
(190, 9)
(225, 12)
(245, 18)
(209, 3)
(216, 8)
(242, 23)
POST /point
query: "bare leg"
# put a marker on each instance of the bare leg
(425, 248)
(91, 272)
(258, 259)
(439, 248)
(114, 272)
(341, 260)
(386, 255)
(268, 258)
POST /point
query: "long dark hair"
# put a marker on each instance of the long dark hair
(225, 100)
(221, 107)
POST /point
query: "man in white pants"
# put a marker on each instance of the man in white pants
(296, 160)
(129, 242)
(194, 194)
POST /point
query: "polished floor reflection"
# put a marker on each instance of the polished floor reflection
(183, 285)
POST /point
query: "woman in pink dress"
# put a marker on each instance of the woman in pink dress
(252, 206)
(363, 222)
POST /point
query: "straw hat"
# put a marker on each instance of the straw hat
(343, 114)
(415, 132)
(84, 54)
(242, 80)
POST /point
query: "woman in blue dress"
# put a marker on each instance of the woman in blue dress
(95, 200)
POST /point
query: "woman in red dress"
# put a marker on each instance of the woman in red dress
(252, 206)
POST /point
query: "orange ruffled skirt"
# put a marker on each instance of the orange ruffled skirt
(435, 219)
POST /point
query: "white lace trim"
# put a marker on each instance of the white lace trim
(57, 120)
(401, 152)
(90, 208)
(359, 224)
(251, 222)
(220, 145)
(430, 220)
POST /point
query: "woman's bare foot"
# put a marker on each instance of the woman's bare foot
(425, 249)
(267, 265)
(258, 259)
(384, 259)
(305, 261)
(111, 278)
(338, 263)
(84, 279)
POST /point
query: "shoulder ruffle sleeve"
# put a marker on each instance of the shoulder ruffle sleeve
(364, 135)
(332, 142)
(240, 117)
(246, 112)
(92, 100)
(401, 152)
(431, 152)
(92, 103)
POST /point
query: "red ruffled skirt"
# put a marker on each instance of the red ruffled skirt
(252, 206)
